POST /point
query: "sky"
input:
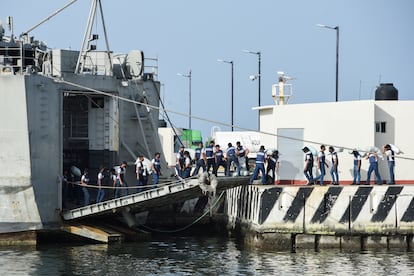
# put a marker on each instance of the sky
(376, 39)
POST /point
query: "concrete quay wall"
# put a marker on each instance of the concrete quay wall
(355, 217)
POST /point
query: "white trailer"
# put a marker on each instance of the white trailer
(248, 139)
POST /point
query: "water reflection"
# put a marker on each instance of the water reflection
(196, 256)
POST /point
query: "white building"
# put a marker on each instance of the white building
(352, 124)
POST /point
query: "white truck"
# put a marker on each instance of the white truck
(248, 139)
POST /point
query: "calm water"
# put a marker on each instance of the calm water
(189, 255)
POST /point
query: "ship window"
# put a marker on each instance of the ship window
(381, 127)
(97, 102)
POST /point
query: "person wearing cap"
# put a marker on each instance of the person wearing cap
(210, 158)
(389, 153)
(307, 169)
(321, 165)
(334, 168)
(231, 157)
(357, 167)
(260, 160)
(179, 162)
(373, 167)
(200, 159)
(219, 161)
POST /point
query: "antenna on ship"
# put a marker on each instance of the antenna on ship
(26, 33)
(282, 91)
(89, 37)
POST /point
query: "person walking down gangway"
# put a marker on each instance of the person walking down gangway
(101, 191)
(179, 162)
(260, 160)
(232, 158)
(210, 157)
(156, 169)
(200, 159)
(187, 165)
(142, 174)
(114, 181)
(84, 183)
(120, 181)
(219, 161)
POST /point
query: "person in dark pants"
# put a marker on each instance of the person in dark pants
(120, 181)
(389, 153)
(260, 160)
(232, 158)
(179, 162)
(210, 157)
(200, 159)
(357, 168)
(187, 165)
(272, 165)
(141, 173)
(84, 183)
(321, 165)
(373, 167)
(307, 170)
(114, 181)
(65, 189)
(334, 168)
(156, 169)
(242, 153)
(101, 191)
(219, 161)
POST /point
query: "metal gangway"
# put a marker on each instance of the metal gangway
(180, 190)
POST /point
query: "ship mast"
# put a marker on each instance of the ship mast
(88, 38)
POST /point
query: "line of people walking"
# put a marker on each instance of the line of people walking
(372, 158)
(211, 158)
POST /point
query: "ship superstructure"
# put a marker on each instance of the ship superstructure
(62, 108)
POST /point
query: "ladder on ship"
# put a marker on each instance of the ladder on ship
(148, 127)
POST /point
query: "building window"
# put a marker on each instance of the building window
(381, 127)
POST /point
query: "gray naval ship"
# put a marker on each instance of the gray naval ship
(62, 108)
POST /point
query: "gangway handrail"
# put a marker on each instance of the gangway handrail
(142, 201)
(113, 204)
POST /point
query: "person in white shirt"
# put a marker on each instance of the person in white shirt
(101, 192)
(84, 183)
(389, 153)
(357, 168)
(334, 168)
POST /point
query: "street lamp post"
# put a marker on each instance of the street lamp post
(337, 53)
(189, 96)
(259, 75)
(232, 90)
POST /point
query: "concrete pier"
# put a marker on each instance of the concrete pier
(319, 217)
